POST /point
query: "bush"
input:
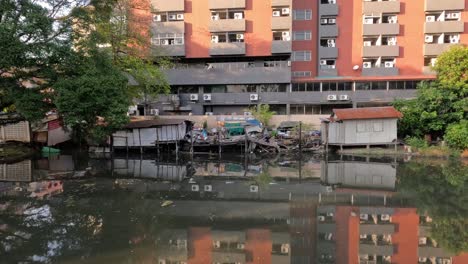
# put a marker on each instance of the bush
(418, 143)
(456, 135)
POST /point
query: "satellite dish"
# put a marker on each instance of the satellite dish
(356, 67)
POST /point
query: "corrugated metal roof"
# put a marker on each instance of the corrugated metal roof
(366, 113)
(155, 123)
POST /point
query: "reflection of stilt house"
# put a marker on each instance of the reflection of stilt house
(13, 129)
(16, 172)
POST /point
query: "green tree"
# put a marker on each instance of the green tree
(452, 69)
(262, 113)
(457, 135)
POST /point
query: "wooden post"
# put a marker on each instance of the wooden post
(300, 137)
(139, 139)
(219, 142)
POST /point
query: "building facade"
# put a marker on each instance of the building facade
(298, 56)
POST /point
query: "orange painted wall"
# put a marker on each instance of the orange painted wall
(258, 243)
(140, 21)
(200, 245)
(347, 234)
(306, 45)
(197, 36)
(258, 35)
(406, 235)
(464, 17)
(461, 259)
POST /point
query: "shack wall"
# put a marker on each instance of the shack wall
(15, 132)
(148, 169)
(147, 137)
(367, 131)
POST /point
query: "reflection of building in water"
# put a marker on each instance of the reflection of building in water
(377, 235)
(357, 174)
(150, 169)
(16, 172)
(45, 188)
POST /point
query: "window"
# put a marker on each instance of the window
(329, 86)
(273, 88)
(345, 86)
(306, 87)
(302, 74)
(378, 126)
(302, 35)
(396, 85)
(167, 39)
(302, 14)
(301, 56)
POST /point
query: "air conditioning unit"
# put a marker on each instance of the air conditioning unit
(363, 236)
(368, 21)
(157, 18)
(194, 97)
(454, 38)
(179, 41)
(422, 259)
(422, 241)
(214, 39)
(392, 20)
(330, 41)
(321, 218)
(385, 217)
(323, 21)
(276, 13)
(208, 188)
(285, 11)
(331, 97)
(207, 97)
(289, 63)
(164, 42)
(367, 65)
(332, 1)
(161, 261)
(180, 16)
(285, 33)
(209, 113)
(240, 246)
(154, 112)
(253, 188)
(217, 244)
(344, 97)
(364, 217)
(239, 36)
(389, 64)
(247, 113)
(253, 97)
(284, 248)
(286, 38)
(430, 18)
(367, 43)
(323, 62)
(455, 15)
(428, 38)
(332, 21)
(433, 61)
(214, 17)
(238, 16)
(391, 42)
(331, 45)
(172, 17)
(195, 188)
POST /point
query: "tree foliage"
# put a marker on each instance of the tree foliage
(457, 135)
(452, 69)
(262, 113)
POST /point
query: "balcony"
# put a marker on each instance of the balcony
(223, 4)
(381, 29)
(168, 6)
(436, 49)
(227, 48)
(325, 72)
(444, 27)
(384, 250)
(380, 71)
(440, 5)
(381, 51)
(279, 46)
(173, 27)
(328, 10)
(227, 25)
(427, 70)
(222, 73)
(328, 52)
(381, 7)
(278, 23)
(328, 31)
(171, 50)
(280, 2)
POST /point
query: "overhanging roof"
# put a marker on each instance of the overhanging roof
(366, 113)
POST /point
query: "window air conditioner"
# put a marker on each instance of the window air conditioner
(455, 15)
(253, 97)
(454, 38)
(253, 188)
(180, 16)
(179, 41)
(391, 42)
(207, 97)
(367, 43)
(194, 97)
(238, 16)
(430, 18)
(389, 64)
(422, 259)
(276, 13)
(433, 61)
(323, 62)
(240, 246)
(330, 41)
(161, 261)
(332, 1)
(331, 97)
(214, 17)
(323, 21)
(164, 42)
(332, 21)
(157, 18)
(172, 17)
(285, 248)
(367, 65)
(344, 97)
(364, 217)
(285, 11)
(422, 241)
(428, 38)
(363, 236)
(217, 244)
(392, 20)
(321, 218)
(385, 217)
(368, 21)
(239, 36)
(208, 188)
(214, 39)
(195, 188)
(209, 113)
(285, 33)
(331, 44)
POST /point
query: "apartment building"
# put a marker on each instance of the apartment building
(298, 56)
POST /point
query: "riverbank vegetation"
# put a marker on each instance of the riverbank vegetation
(440, 110)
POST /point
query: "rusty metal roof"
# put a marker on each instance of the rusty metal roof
(366, 113)
(155, 123)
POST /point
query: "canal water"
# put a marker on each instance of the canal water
(167, 210)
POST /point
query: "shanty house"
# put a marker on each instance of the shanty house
(149, 133)
(361, 126)
(13, 128)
